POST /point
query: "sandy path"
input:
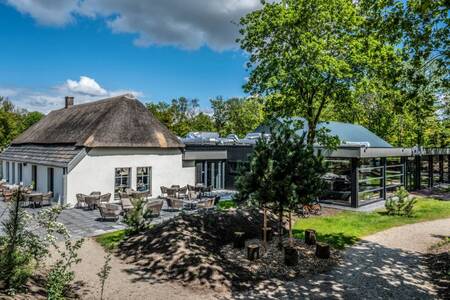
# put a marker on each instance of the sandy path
(386, 265)
(120, 284)
(415, 237)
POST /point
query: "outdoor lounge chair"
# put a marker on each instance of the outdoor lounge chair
(7, 195)
(171, 192)
(81, 202)
(95, 193)
(182, 193)
(155, 207)
(163, 191)
(92, 201)
(105, 198)
(175, 203)
(206, 204)
(109, 211)
(127, 205)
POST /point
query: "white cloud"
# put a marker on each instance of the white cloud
(85, 85)
(85, 90)
(186, 24)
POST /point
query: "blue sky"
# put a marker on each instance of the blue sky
(45, 54)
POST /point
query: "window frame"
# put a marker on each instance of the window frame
(148, 175)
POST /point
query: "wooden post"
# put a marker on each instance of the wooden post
(239, 240)
(252, 252)
(265, 228)
(310, 237)
(268, 232)
(322, 250)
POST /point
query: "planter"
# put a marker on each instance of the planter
(310, 237)
(290, 256)
(252, 252)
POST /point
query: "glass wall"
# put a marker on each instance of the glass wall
(436, 169)
(338, 180)
(211, 173)
(370, 179)
(394, 174)
(410, 180)
(446, 164)
(424, 172)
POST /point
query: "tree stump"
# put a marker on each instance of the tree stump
(290, 256)
(269, 233)
(322, 250)
(310, 237)
(252, 252)
(239, 240)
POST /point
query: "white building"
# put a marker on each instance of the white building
(104, 146)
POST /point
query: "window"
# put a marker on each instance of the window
(20, 171)
(7, 171)
(143, 179)
(34, 176)
(50, 179)
(122, 179)
(13, 180)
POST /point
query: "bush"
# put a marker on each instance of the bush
(137, 218)
(400, 204)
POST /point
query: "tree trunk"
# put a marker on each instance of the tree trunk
(322, 250)
(290, 228)
(265, 228)
(280, 229)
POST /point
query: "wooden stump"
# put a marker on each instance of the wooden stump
(252, 252)
(269, 234)
(310, 237)
(239, 240)
(290, 256)
(322, 250)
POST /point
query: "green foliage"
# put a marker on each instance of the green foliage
(14, 121)
(400, 204)
(104, 273)
(138, 217)
(18, 247)
(346, 228)
(61, 275)
(111, 240)
(236, 115)
(306, 55)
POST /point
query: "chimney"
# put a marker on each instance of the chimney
(69, 101)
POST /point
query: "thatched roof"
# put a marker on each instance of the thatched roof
(120, 121)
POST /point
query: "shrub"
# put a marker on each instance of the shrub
(138, 217)
(400, 204)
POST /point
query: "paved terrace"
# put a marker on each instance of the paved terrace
(86, 223)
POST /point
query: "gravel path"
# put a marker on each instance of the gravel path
(386, 265)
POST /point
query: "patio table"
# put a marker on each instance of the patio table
(191, 204)
(34, 197)
(92, 201)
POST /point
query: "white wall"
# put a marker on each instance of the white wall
(96, 171)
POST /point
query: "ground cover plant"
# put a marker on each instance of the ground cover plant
(111, 240)
(346, 228)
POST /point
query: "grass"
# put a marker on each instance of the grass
(346, 228)
(110, 240)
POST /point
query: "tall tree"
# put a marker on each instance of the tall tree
(305, 55)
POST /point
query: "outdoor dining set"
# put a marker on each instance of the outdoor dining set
(31, 198)
(188, 197)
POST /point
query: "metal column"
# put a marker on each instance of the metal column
(354, 201)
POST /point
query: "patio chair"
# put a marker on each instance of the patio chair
(109, 211)
(182, 192)
(47, 198)
(81, 201)
(95, 193)
(163, 191)
(171, 193)
(7, 195)
(175, 203)
(127, 205)
(206, 204)
(175, 186)
(193, 195)
(92, 201)
(190, 188)
(36, 200)
(105, 198)
(155, 207)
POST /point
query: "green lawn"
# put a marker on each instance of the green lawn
(346, 228)
(109, 241)
(226, 204)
